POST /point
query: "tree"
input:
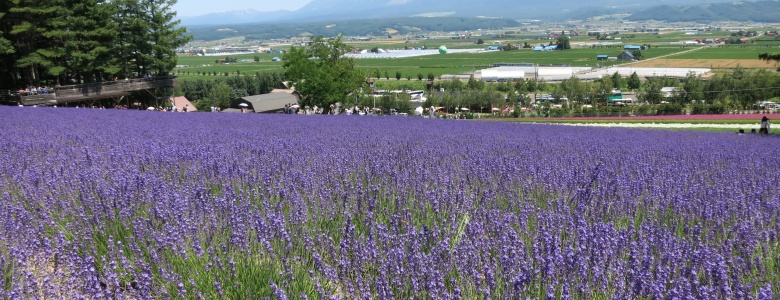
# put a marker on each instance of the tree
(220, 95)
(633, 82)
(419, 76)
(321, 73)
(574, 89)
(475, 85)
(694, 87)
(166, 35)
(563, 43)
(605, 88)
(769, 57)
(521, 86)
(148, 34)
(89, 39)
(7, 49)
(651, 91)
(617, 81)
(637, 54)
(480, 42)
(397, 75)
(38, 28)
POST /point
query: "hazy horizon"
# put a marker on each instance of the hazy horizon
(190, 8)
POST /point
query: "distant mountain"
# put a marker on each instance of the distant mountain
(236, 17)
(761, 11)
(336, 10)
(362, 27)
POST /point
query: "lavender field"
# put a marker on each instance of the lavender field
(151, 205)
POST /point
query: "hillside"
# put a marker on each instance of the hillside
(336, 10)
(373, 27)
(761, 11)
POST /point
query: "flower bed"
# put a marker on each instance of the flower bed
(136, 204)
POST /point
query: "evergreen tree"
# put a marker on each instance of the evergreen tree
(148, 36)
(49, 42)
(38, 31)
(7, 50)
(167, 35)
(89, 38)
(633, 82)
(6, 47)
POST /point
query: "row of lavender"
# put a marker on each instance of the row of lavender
(127, 204)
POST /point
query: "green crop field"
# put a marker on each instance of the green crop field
(438, 65)
(198, 65)
(467, 62)
(728, 52)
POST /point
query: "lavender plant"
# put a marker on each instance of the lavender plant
(137, 205)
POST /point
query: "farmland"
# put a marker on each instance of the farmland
(728, 52)
(137, 204)
(725, 56)
(455, 63)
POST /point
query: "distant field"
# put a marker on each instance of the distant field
(467, 62)
(458, 63)
(728, 52)
(706, 63)
(207, 64)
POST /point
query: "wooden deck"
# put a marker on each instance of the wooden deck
(91, 91)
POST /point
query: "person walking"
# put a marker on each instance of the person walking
(764, 126)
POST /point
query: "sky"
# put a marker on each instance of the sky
(191, 8)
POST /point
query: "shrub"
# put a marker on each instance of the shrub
(669, 109)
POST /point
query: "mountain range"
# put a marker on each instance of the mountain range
(334, 10)
(759, 11)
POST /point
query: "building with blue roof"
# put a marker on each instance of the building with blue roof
(632, 47)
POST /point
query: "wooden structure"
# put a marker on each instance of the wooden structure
(88, 92)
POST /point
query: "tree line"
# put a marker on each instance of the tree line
(738, 89)
(218, 92)
(60, 42)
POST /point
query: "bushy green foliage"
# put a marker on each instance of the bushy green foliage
(321, 73)
(700, 109)
(239, 86)
(72, 42)
(669, 109)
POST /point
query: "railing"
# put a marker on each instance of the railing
(90, 91)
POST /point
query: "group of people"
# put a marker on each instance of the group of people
(291, 109)
(185, 108)
(358, 111)
(33, 90)
(763, 129)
